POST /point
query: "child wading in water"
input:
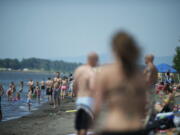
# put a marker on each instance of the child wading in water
(38, 92)
(29, 98)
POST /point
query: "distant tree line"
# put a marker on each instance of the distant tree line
(38, 64)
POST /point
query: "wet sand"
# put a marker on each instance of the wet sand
(45, 121)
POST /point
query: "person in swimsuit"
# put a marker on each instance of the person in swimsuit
(63, 88)
(49, 90)
(13, 87)
(57, 78)
(31, 85)
(29, 98)
(56, 94)
(121, 87)
(151, 78)
(9, 93)
(70, 91)
(43, 86)
(83, 82)
(150, 71)
(1, 94)
(38, 92)
(21, 86)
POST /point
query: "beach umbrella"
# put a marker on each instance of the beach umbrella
(163, 68)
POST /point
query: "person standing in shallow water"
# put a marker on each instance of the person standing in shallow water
(122, 88)
(49, 90)
(31, 85)
(21, 86)
(38, 92)
(1, 94)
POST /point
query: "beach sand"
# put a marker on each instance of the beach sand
(45, 121)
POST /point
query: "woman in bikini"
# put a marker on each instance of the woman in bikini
(122, 87)
(63, 88)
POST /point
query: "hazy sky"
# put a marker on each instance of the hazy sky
(70, 28)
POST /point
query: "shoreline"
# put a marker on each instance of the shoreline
(45, 120)
(30, 71)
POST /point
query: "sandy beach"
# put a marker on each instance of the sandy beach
(45, 121)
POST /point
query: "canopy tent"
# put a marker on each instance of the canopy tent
(163, 68)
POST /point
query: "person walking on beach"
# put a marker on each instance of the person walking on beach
(49, 90)
(121, 87)
(1, 94)
(83, 81)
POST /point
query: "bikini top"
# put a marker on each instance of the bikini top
(129, 97)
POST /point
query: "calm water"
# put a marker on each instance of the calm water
(16, 109)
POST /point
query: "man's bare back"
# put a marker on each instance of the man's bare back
(84, 76)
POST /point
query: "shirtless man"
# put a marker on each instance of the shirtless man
(150, 71)
(49, 90)
(151, 76)
(83, 82)
(57, 78)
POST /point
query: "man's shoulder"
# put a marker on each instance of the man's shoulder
(82, 67)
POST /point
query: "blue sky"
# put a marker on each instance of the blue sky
(56, 29)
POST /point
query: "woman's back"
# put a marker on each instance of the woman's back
(125, 98)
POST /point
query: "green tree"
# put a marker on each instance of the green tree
(176, 59)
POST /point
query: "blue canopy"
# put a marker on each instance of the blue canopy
(163, 68)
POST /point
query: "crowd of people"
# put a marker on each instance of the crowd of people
(128, 92)
(55, 89)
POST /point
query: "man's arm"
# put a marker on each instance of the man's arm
(75, 83)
